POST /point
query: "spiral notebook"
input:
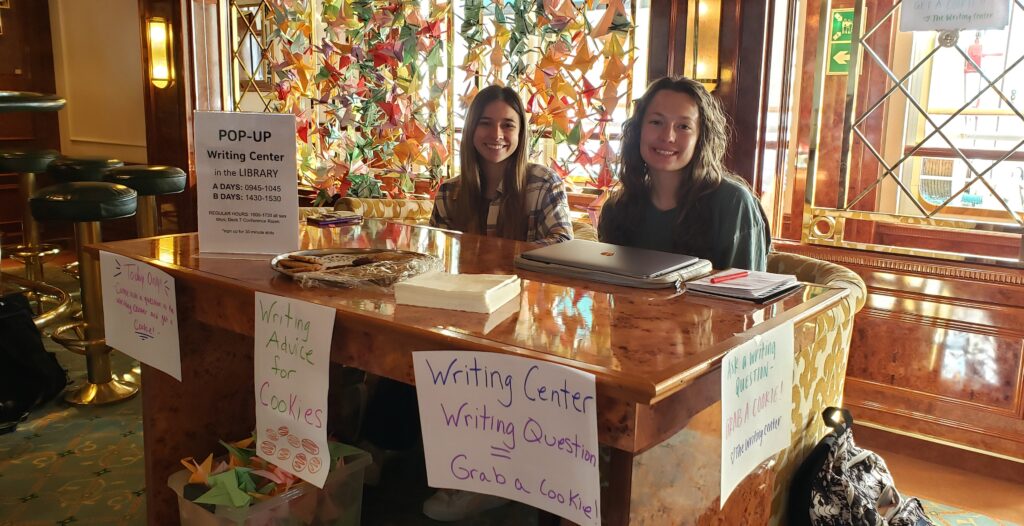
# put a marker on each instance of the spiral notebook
(754, 286)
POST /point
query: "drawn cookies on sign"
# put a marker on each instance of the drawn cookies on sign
(306, 450)
(299, 463)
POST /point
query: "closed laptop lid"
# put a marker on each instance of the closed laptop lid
(626, 261)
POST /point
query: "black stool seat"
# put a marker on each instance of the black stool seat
(12, 101)
(75, 169)
(148, 180)
(22, 161)
(83, 201)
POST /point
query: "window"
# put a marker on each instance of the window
(929, 161)
(982, 122)
(249, 41)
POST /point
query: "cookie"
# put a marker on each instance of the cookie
(381, 257)
(294, 267)
(327, 260)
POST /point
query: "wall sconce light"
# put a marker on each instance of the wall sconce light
(161, 63)
(703, 23)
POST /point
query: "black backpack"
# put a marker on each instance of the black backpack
(29, 374)
(840, 484)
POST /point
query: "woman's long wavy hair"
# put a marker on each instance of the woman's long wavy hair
(704, 173)
(512, 220)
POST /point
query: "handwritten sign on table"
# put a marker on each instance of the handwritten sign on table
(933, 15)
(291, 358)
(140, 312)
(757, 396)
(246, 184)
(510, 426)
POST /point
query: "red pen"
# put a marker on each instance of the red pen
(729, 277)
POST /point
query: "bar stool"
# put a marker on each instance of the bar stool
(66, 169)
(149, 182)
(87, 204)
(18, 101)
(27, 163)
(48, 301)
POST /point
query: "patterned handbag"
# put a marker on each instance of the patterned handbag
(840, 484)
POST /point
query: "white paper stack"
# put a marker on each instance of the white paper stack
(754, 286)
(465, 292)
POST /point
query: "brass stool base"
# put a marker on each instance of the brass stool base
(47, 302)
(133, 376)
(99, 394)
(71, 269)
(32, 257)
(27, 252)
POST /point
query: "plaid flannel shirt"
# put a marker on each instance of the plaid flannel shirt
(547, 207)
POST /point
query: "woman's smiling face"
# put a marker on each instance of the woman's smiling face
(497, 133)
(669, 132)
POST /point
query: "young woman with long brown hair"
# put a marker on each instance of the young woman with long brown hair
(675, 193)
(499, 192)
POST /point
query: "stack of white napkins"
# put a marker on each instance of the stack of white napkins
(465, 292)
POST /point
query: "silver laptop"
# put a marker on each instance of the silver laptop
(614, 259)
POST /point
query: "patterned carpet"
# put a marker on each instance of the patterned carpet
(75, 465)
(83, 466)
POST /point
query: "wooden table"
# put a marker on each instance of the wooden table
(655, 354)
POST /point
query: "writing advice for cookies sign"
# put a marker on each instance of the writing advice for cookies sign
(290, 365)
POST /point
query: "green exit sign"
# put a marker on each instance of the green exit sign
(840, 41)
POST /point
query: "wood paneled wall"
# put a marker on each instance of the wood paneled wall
(938, 350)
(169, 109)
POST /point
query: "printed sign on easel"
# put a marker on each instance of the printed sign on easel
(292, 351)
(757, 397)
(140, 312)
(510, 426)
(246, 183)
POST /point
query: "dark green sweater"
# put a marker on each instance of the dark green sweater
(737, 234)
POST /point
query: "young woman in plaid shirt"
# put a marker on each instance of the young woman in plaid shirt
(498, 192)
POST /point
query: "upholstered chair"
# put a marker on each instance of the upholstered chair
(820, 364)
